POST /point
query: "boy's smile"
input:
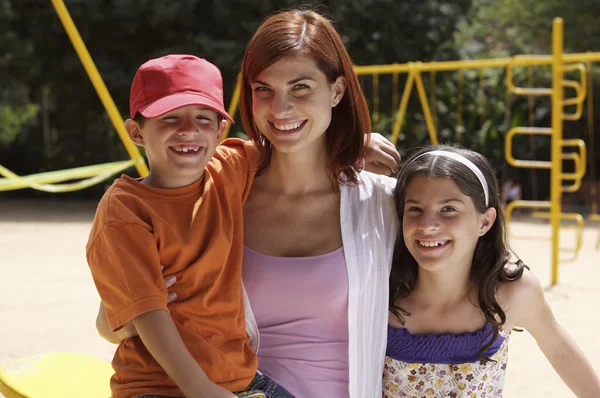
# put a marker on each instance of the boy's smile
(178, 144)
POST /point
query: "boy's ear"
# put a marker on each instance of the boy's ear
(221, 129)
(134, 131)
(487, 220)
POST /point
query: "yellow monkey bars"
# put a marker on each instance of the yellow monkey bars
(559, 61)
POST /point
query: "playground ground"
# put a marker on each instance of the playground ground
(48, 301)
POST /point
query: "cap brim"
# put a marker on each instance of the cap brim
(174, 101)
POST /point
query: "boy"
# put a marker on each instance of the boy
(184, 215)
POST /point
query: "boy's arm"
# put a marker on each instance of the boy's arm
(128, 330)
(160, 336)
(566, 357)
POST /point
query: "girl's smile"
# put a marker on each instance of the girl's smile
(440, 223)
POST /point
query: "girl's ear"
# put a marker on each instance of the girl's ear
(487, 221)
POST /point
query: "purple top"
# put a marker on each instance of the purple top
(440, 349)
(301, 309)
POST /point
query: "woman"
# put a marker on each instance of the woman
(318, 235)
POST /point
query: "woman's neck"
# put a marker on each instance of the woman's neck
(298, 172)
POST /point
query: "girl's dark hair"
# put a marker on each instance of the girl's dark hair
(491, 254)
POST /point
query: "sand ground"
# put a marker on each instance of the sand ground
(48, 301)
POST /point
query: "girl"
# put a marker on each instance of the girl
(454, 298)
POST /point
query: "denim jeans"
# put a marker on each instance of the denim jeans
(260, 382)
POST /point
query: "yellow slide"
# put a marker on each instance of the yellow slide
(56, 375)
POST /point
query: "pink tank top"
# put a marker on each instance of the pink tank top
(301, 308)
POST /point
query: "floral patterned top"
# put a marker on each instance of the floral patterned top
(448, 365)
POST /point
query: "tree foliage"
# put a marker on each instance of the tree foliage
(51, 117)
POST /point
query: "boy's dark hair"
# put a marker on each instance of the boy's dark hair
(140, 119)
(491, 254)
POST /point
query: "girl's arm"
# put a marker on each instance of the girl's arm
(535, 315)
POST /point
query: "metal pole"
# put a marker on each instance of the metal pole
(98, 83)
(556, 147)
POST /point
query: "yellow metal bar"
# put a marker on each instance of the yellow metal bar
(508, 145)
(530, 98)
(596, 217)
(403, 104)
(571, 176)
(459, 103)
(76, 186)
(530, 91)
(98, 83)
(578, 218)
(556, 147)
(375, 97)
(590, 120)
(582, 57)
(395, 90)
(530, 108)
(10, 183)
(580, 92)
(433, 88)
(233, 105)
(426, 112)
(526, 204)
(482, 98)
(582, 155)
(449, 66)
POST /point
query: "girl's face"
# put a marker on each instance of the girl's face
(292, 101)
(440, 224)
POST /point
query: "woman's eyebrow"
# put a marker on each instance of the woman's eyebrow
(293, 81)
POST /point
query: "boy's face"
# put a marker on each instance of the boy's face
(178, 144)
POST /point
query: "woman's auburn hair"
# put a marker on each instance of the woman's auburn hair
(306, 33)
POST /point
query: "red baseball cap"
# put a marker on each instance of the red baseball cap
(170, 82)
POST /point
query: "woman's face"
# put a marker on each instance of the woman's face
(292, 102)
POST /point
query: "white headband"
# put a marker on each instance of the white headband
(466, 162)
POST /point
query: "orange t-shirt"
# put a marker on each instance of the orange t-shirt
(196, 232)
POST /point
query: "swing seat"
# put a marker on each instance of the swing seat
(56, 375)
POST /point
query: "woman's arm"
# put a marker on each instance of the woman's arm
(128, 330)
(535, 315)
(161, 337)
(107, 334)
(381, 156)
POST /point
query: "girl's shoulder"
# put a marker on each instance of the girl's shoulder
(519, 297)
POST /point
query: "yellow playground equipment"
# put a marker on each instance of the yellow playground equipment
(56, 375)
(76, 375)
